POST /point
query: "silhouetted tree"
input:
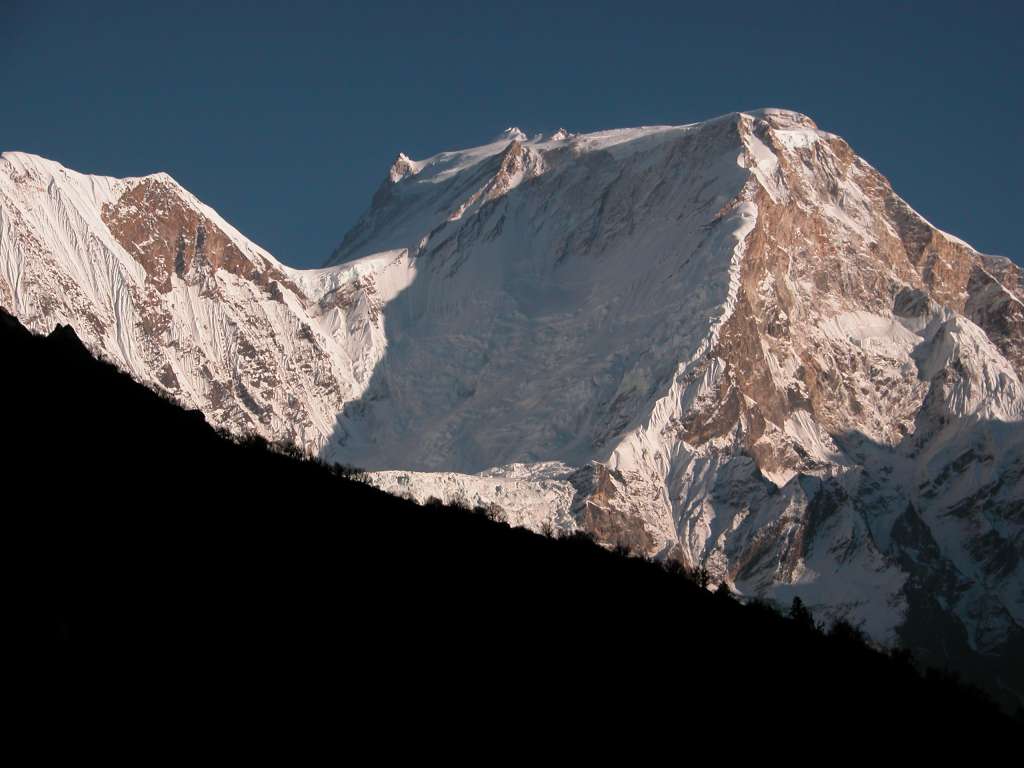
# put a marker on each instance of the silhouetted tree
(800, 614)
(495, 514)
(701, 577)
(845, 632)
(674, 567)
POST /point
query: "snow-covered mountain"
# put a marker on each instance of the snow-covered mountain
(729, 343)
(157, 282)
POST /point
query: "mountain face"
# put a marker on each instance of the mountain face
(729, 343)
(157, 282)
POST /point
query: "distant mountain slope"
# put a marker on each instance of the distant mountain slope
(167, 568)
(729, 344)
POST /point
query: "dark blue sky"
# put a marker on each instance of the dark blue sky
(286, 119)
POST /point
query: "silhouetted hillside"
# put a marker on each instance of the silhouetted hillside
(162, 562)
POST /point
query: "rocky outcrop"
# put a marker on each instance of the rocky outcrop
(155, 224)
(158, 283)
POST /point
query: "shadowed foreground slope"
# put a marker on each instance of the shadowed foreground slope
(164, 565)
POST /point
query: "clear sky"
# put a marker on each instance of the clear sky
(285, 116)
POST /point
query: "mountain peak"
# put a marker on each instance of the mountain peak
(511, 133)
(783, 118)
(402, 168)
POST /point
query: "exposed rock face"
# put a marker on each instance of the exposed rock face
(401, 168)
(154, 223)
(156, 282)
(729, 343)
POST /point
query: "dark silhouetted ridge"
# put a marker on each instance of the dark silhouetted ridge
(164, 566)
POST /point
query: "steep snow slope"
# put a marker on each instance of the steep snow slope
(158, 283)
(548, 310)
(754, 354)
(729, 343)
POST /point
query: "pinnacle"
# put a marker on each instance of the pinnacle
(512, 133)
